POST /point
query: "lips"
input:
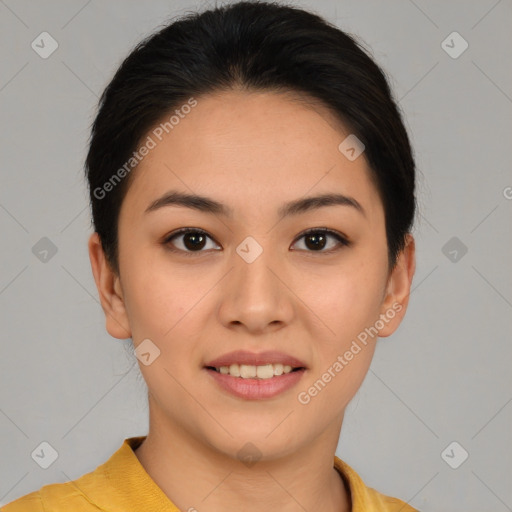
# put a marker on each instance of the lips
(255, 359)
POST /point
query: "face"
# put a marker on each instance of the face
(250, 278)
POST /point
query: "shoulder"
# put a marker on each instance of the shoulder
(385, 503)
(105, 488)
(29, 503)
(58, 497)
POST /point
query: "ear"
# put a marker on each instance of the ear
(398, 289)
(109, 289)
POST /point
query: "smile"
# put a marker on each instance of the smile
(247, 371)
(252, 386)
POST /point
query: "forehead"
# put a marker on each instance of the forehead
(250, 149)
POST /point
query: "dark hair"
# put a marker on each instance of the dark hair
(254, 46)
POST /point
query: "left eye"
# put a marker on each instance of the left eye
(317, 239)
(194, 240)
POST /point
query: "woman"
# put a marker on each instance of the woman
(252, 191)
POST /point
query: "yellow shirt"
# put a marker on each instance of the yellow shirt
(121, 484)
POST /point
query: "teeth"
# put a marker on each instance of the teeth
(247, 371)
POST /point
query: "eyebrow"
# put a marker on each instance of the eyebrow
(211, 206)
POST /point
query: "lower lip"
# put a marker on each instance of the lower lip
(254, 389)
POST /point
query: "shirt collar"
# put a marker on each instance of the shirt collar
(356, 488)
(129, 485)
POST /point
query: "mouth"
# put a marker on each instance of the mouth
(255, 375)
(250, 382)
(260, 372)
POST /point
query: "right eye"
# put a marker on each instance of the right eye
(193, 240)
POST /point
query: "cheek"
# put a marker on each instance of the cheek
(348, 301)
(164, 305)
(347, 304)
(154, 298)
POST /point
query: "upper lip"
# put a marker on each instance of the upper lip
(256, 359)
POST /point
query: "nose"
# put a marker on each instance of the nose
(257, 295)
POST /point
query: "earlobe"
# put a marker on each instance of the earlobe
(398, 289)
(109, 290)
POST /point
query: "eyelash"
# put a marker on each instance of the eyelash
(343, 241)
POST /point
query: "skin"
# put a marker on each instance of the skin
(252, 152)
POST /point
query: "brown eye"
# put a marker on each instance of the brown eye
(188, 240)
(316, 240)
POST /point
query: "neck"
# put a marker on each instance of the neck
(195, 475)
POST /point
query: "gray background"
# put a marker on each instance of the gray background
(442, 377)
